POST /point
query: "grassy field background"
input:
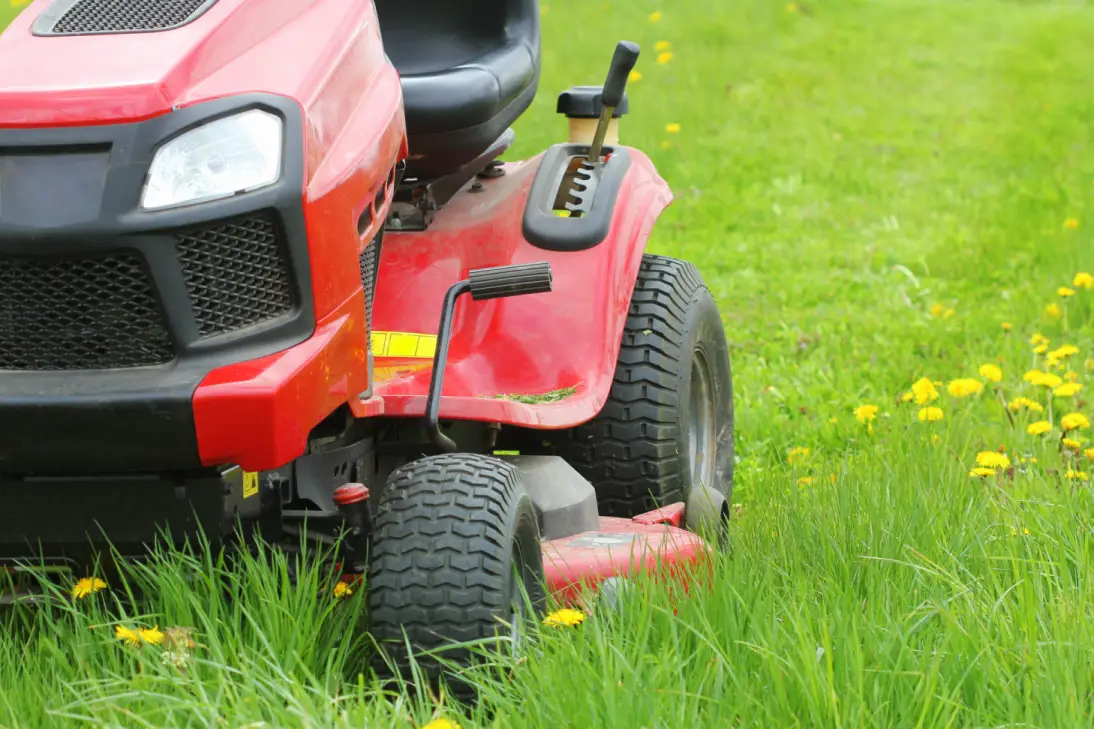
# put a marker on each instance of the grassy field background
(876, 192)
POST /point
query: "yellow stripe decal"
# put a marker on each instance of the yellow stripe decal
(404, 345)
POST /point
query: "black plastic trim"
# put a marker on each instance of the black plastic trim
(543, 229)
(47, 21)
(141, 419)
(587, 102)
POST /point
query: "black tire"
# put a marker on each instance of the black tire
(637, 451)
(455, 551)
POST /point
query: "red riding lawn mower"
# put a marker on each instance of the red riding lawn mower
(261, 266)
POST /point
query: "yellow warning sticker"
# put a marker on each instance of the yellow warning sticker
(405, 345)
(250, 484)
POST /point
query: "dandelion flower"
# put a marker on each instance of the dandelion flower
(635, 76)
(805, 481)
(930, 414)
(1040, 377)
(1065, 292)
(924, 391)
(1083, 280)
(991, 372)
(1074, 421)
(87, 586)
(151, 636)
(1069, 389)
(564, 618)
(1007, 326)
(672, 128)
(1071, 443)
(1040, 349)
(1073, 475)
(866, 413)
(935, 438)
(1024, 402)
(992, 459)
(1052, 311)
(1038, 339)
(662, 46)
(939, 311)
(1089, 453)
(664, 57)
(342, 590)
(964, 387)
(981, 472)
(1039, 428)
(1071, 223)
(1064, 351)
(655, 17)
(797, 453)
(442, 723)
(1025, 531)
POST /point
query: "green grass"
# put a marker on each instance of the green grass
(842, 167)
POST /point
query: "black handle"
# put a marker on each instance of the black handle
(517, 280)
(626, 55)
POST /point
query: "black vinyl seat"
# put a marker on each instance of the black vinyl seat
(468, 71)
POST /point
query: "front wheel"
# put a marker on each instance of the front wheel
(456, 557)
(668, 423)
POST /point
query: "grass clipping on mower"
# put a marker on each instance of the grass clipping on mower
(552, 396)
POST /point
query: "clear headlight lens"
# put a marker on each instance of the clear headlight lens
(225, 157)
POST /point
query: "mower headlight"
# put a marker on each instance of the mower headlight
(225, 157)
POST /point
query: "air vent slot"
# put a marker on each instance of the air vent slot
(92, 17)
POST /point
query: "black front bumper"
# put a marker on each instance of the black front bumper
(110, 316)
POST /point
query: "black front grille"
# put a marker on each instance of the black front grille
(370, 264)
(127, 16)
(237, 273)
(80, 313)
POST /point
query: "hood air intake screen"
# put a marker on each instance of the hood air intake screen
(87, 17)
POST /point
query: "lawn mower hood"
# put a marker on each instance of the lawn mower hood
(152, 318)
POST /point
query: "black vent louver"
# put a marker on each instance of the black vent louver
(83, 17)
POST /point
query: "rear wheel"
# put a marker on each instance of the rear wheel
(456, 557)
(668, 421)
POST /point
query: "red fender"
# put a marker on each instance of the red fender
(565, 340)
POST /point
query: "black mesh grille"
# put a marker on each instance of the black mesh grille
(237, 274)
(119, 16)
(370, 264)
(79, 313)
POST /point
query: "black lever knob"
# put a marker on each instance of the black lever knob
(516, 280)
(623, 60)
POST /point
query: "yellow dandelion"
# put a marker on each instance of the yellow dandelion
(981, 472)
(1083, 280)
(1026, 531)
(866, 413)
(1052, 311)
(662, 46)
(833, 420)
(1067, 390)
(964, 387)
(1065, 292)
(1064, 351)
(442, 723)
(1038, 339)
(655, 17)
(1071, 223)
(1073, 475)
(992, 459)
(342, 590)
(564, 618)
(1039, 428)
(151, 636)
(930, 414)
(805, 481)
(1040, 349)
(924, 391)
(1024, 402)
(939, 311)
(1007, 326)
(1071, 443)
(797, 454)
(1042, 378)
(906, 396)
(664, 57)
(1089, 453)
(635, 76)
(1074, 421)
(87, 586)
(991, 372)
(672, 128)
(1070, 376)
(935, 438)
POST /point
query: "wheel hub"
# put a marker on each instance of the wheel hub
(701, 422)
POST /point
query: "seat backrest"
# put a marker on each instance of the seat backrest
(431, 36)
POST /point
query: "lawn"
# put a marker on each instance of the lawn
(879, 194)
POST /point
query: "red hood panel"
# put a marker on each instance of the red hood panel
(85, 80)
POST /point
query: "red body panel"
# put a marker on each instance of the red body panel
(620, 547)
(528, 345)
